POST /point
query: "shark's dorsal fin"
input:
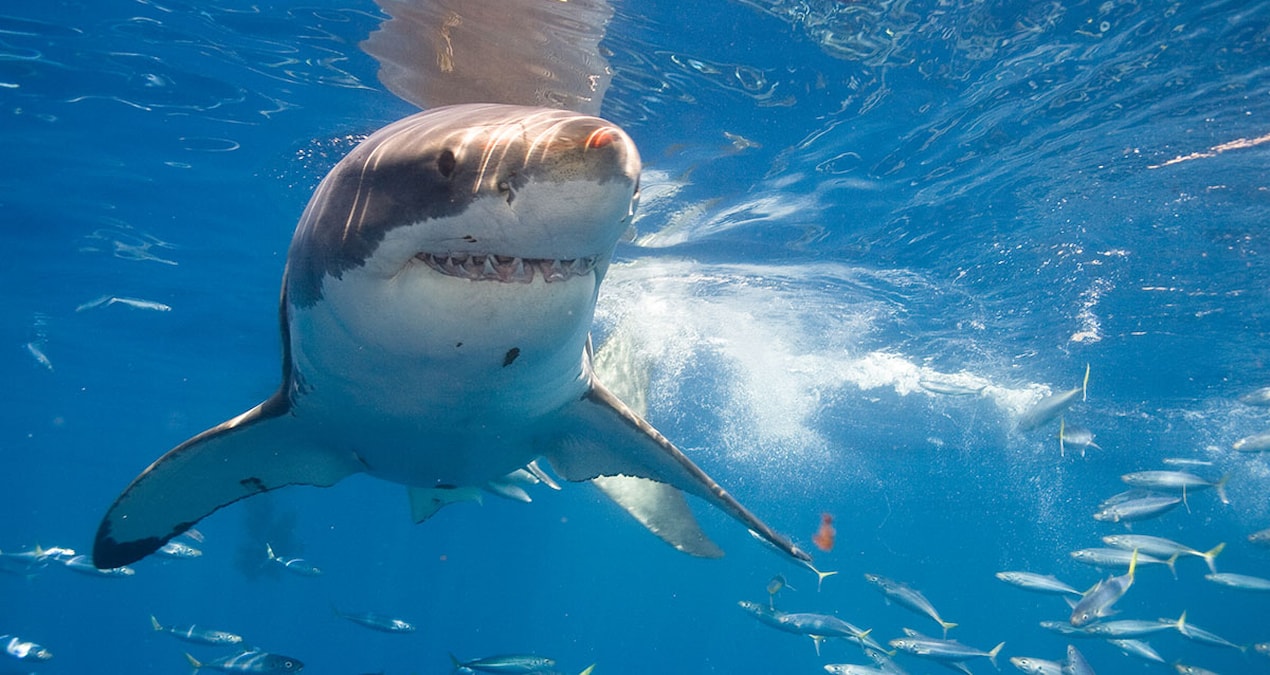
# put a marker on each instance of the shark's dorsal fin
(608, 439)
(257, 451)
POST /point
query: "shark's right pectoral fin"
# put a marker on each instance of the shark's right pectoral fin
(260, 450)
(662, 509)
(608, 439)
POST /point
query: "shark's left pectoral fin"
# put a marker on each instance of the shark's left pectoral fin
(260, 450)
(608, 439)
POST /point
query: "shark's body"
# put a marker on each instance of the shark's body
(435, 318)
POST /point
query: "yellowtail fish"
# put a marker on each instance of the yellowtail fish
(908, 597)
(1049, 408)
(1162, 548)
(950, 651)
(196, 635)
(1254, 443)
(1241, 581)
(249, 661)
(1076, 437)
(525, 664)
(1097, 601)
(1176, 481)
(298, 566)
(1039, 583)
(376, 621)
(1035, 666)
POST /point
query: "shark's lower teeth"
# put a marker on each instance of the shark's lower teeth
(507, 269)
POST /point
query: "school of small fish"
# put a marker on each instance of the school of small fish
(236, 655)
(1152, 492)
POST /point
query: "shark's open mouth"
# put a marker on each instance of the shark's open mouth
(506, 268)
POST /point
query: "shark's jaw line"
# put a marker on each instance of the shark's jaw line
(506, 269)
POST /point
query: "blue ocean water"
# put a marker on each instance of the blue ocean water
(842, 201)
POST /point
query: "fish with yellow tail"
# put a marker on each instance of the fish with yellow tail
(944, 651)
(908, 597)
(1097, 601)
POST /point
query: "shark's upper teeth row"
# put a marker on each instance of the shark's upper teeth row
(506, 268)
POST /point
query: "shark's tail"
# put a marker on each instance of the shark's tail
(155, 622)
(194, 663)
(947, 625)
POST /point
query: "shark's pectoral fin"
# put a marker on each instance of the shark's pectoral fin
(662, 509)
(257, 451)
(607, 439)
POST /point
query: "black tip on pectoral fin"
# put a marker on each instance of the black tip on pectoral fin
(257, 451)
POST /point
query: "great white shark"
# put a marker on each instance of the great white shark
(435, 316)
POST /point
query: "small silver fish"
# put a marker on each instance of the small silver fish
(1115, 557)
(1260, 537)
(1075, 437)
(506, 663)
(196, 635)
(942, 650)
(1200, 635)
(1240, 581)
(1185, 461)
(1162, 548)
(24, 650)
(1039, 583)
(1097, 601)
(1076, 663)
(1035, 666)
(1139, 649)
(1049, 408)
(1127, 629)
(909, 597)
(376, 621)
(84, 565)
(850, 669)
(1254, 443)
(176, 549)
(298, 566)
(1192, 670)
(36, 350)
(1257, 397)
(1133, 510)
(135, 303)
(1176, 481)
(250, 661)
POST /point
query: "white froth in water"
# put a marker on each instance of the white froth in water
(784, 351)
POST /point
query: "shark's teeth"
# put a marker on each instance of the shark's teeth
(507, 269)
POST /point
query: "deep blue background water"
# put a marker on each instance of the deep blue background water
(923, 188)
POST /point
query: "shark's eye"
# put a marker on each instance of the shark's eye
(446, 163)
